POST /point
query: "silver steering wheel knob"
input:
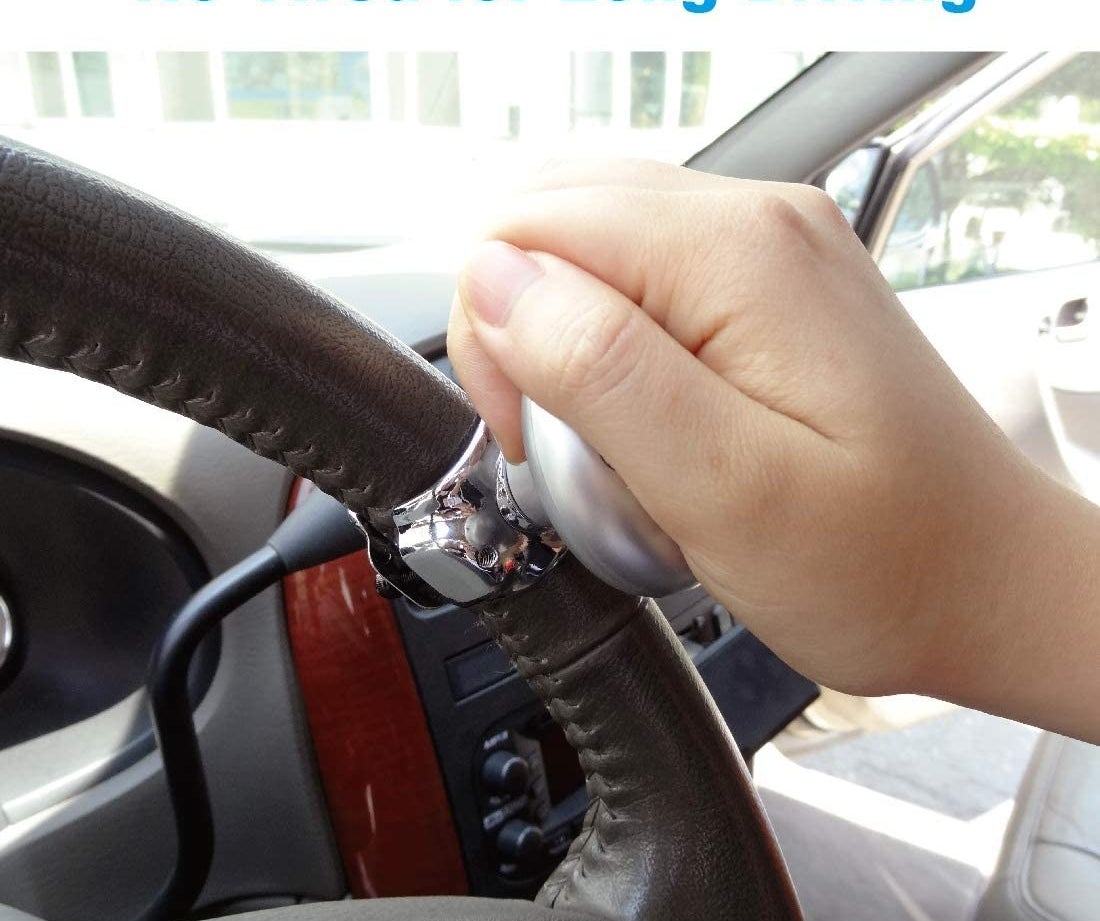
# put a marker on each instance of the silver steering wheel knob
(568, 485)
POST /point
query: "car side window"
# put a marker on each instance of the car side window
(1018, 192)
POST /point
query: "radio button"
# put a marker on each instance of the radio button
(520, 841)
(506, 772)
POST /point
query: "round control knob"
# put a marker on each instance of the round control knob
(520, 841)
(595, 514)
(506, 772)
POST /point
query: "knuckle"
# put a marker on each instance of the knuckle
(780, 218)
(598, 350)
(799, 214)
(819, 204)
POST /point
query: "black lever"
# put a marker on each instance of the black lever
(318, 530)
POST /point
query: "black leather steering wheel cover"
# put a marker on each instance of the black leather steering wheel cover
(103, 282)
(674, 828)
(114, 286)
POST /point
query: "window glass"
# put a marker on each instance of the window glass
(590, 95)
(49, 97)
(297, 85)
(437, 91)
(93, 83)
(1019, 192)
(390, 172)
(694, 83)
(647, 89)
(185, 91)
(12, 106)
(395, 74)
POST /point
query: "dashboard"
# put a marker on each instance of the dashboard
(352, 743)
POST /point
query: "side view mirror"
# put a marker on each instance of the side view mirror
(849, 182)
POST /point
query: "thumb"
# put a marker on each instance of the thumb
(587, 354)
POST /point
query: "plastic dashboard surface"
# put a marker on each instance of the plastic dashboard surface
(97, 842)
(102, 847)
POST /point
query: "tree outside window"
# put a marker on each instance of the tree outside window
(298, 85)
(647, 89)
(694, 88)
(1020, 191)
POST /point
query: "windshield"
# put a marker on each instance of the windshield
(329, 151)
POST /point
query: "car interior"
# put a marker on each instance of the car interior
(214, 702)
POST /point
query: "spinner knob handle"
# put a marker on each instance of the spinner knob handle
(566, 484)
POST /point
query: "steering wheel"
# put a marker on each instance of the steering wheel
(100, 281)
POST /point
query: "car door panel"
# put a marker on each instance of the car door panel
(987, 331)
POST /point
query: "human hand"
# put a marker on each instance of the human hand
(733, 352)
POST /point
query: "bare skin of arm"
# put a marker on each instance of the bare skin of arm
(835, 485)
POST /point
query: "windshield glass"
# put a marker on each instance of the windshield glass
(328, 151)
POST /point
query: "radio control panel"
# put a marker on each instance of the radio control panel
(531, 804)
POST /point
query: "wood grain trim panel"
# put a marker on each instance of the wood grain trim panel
(378, 767)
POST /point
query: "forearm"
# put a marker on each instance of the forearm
(1022, 639)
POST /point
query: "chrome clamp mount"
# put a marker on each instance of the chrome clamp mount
(489, 528)
(463, 540)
